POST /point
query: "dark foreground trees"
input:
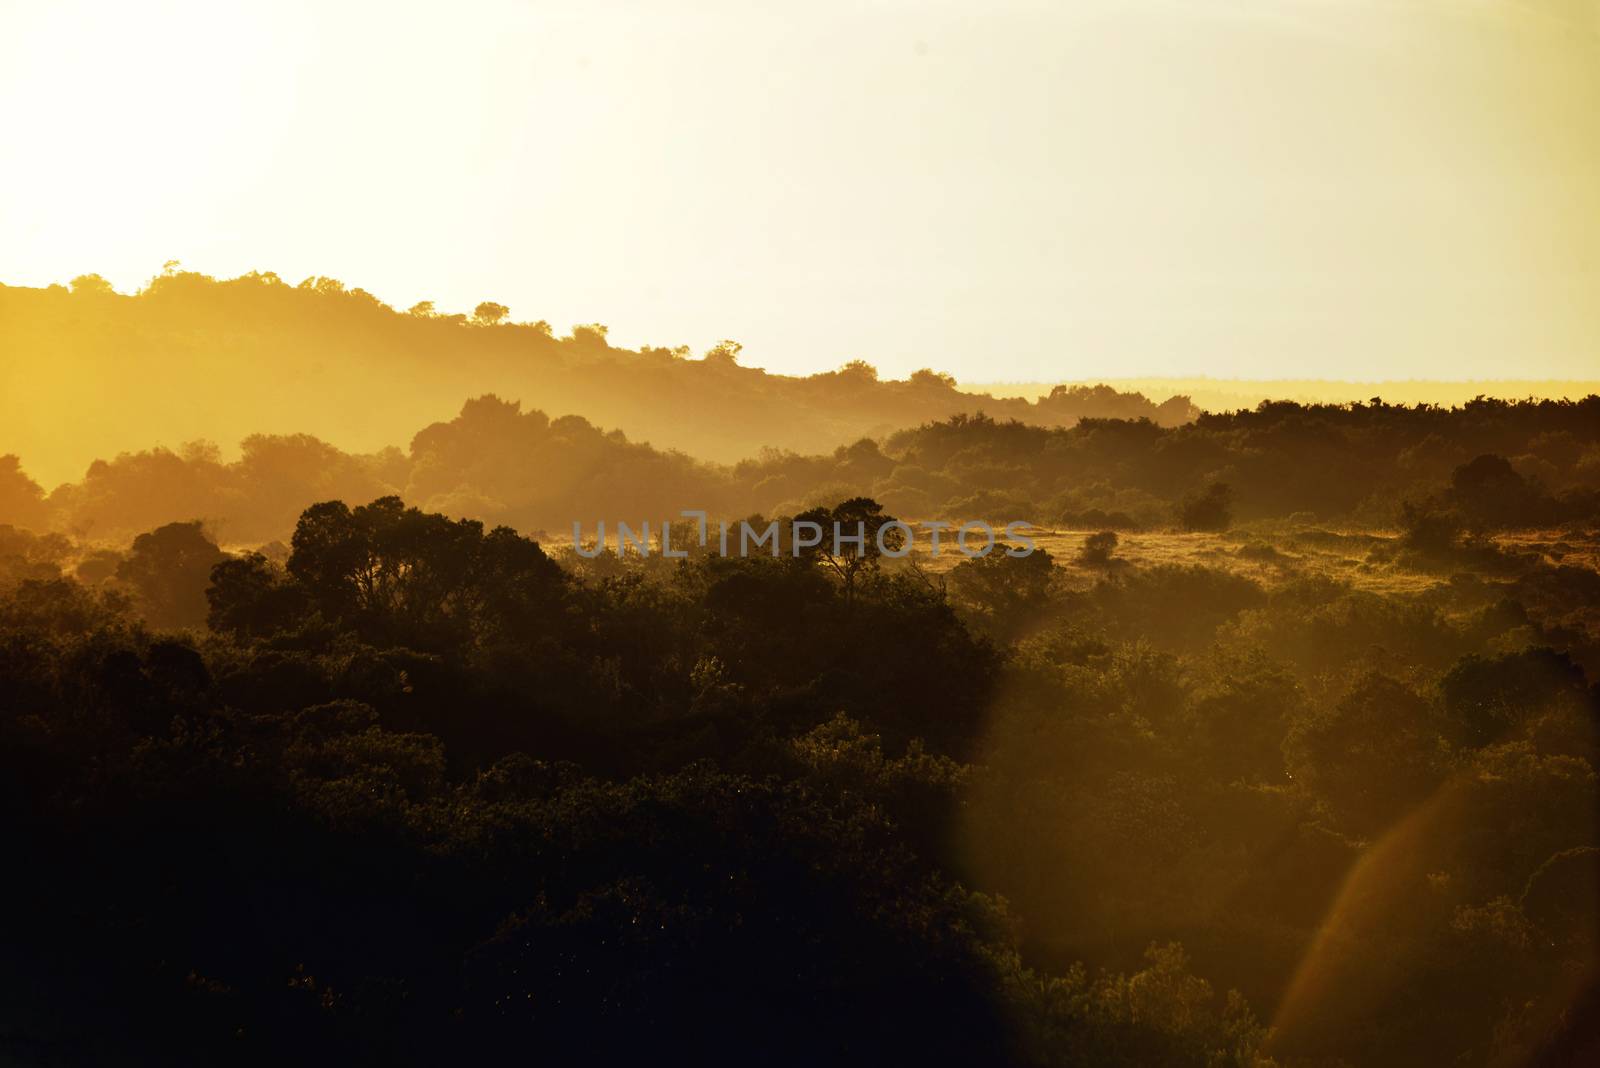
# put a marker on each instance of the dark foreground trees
(423, 796)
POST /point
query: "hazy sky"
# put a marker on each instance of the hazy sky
(1296, 188)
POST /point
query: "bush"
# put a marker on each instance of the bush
(1428, 527)
(1098, 548)
(1210, 510)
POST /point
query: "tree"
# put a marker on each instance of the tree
(91, 285)
(591, 335)
(1009, 590)
(169, 569)
(422, 309)
(401, 574)
(98, 566)
(328, 287)
(724, 353)
(1371, 756)
(860, 517)
(1487, 699)
(931, 379)
(1428, 526)
(21, 499)
(489, 313)
(250, 597)
(332, 557)
(1209, 510)
(1490, 494)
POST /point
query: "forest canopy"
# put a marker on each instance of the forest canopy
(1487, 465)
(191, 357)
(1281, 750)
(416, 789)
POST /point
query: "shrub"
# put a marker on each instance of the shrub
(1098, 548)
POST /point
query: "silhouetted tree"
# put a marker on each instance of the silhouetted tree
(92, 285)
(168, 570)
(1429, 526)
(489, 313)
(931, 379)
(1209, 510)
(21, 499)
(1098, 549)
(1008, 590)
(858, 371)
(403, 573)
(250, 597)
(840, 550)
(1490, 494)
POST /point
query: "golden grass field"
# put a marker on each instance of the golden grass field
(1270, 553)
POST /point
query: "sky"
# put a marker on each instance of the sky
(1345, 189)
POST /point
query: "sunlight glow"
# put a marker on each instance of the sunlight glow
(1026, 192)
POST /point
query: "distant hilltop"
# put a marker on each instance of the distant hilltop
(90, 373)
(1233, 394)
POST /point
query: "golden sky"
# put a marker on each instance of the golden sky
(1362, 189)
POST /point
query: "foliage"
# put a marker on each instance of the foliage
(421, 795)
(1098, 548)
(1211, 509)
